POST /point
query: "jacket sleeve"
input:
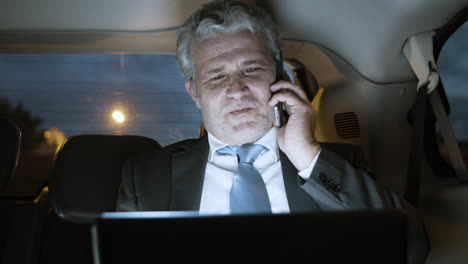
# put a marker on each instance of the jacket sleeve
(337, 183)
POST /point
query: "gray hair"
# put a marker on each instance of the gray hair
(221, 17)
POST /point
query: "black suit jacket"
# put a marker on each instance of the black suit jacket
(171, 179)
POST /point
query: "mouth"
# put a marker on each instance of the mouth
(240, 111)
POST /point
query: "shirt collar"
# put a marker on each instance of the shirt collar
(269, 140)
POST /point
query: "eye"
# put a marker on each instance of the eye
(251, 69)
(217, 77)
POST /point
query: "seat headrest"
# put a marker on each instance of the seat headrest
(87, 172)
(303, 77)
(10, 140)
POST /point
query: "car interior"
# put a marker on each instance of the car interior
(85, 85)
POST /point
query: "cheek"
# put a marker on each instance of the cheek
(261, 88)
(209, 100)
(262, 82)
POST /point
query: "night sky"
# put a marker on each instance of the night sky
(77, 93)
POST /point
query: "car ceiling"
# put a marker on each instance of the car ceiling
(368, 34)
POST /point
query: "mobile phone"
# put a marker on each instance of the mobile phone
(280, 119)
(280, 112)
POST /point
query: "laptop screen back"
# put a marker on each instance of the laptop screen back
(336, 237)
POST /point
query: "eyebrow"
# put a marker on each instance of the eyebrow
(245, 63)
(254, 61)
(215, 70)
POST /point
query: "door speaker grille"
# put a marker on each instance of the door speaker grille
(347, 125)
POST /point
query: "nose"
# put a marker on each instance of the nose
(237, 87)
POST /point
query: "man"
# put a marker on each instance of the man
(227, 53)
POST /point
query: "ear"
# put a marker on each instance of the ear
(191, 90)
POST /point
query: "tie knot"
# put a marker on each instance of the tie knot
(247, 153)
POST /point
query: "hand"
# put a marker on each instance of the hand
(296, 138)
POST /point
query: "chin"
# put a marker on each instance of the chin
(247, 133)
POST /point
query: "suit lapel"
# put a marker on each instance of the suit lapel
(188, 172)
(298, 200)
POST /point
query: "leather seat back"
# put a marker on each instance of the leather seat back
(10, 139)
(87, 171)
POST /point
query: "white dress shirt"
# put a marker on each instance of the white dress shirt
(220, 171)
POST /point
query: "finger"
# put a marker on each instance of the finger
(289, 97)
(284, 85)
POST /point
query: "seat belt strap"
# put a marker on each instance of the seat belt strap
(419, 52)
(414, 169)
(449, 137)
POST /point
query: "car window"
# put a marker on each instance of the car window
(55, 96)
(453, 68)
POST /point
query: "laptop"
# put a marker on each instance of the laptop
(331, 237)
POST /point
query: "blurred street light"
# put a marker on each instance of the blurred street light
(118, 116)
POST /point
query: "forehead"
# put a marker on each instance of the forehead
(232, 47)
